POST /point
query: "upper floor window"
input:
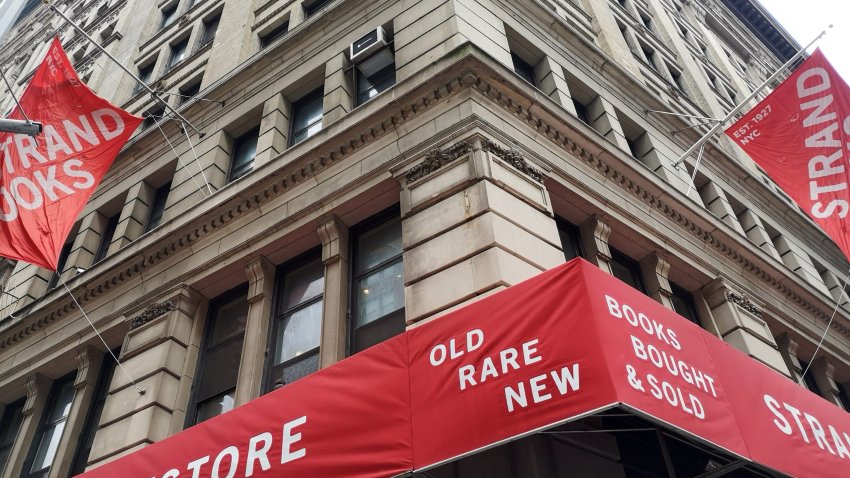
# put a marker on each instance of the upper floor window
(169, 14)
(107, 369)
(627, 270)
(582, 112)
(145, 74)
(214, 385)
(297, 327)
(244, 151)
(178, 53)
(378, 309)
(160, 197)
(809, 378)
(189, 92)
(46, 441)
(313, 6)
(269, 37)
(570, 239)
(374, 75)
(60, 265)
(683, 303)
(10, 423)
(524, 69)
(106, 238)
(307, 116)
(210, 28)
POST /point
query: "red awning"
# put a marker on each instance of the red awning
(562, 345)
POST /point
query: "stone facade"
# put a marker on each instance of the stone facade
(493, 177)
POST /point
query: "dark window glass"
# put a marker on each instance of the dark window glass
(46, 442)
(152, 117)
(106, 238)
(218, 365)
(314, 6)
(378, 284)
(189, 91)
(28, 8)
(582, 113)
(178, 53)
(307, 116)
(843, 398)
(145, 74)
(277, 32)
(298, 322)
(168, 16)
(81, 458)
(244, 151)
(633, 148)
(369, 86)
(683, 303)
(63, 258)
(210, 27)
(158, 206)
(523, 69)
(627, 270)
(9, 426)
(809, 379)
(570, 240)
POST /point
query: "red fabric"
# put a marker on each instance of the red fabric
(566, 343)
(46, 181)
(800, 135)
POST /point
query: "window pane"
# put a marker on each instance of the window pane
(683, 304)
(569, 240)
(300, 333)
(221, 366)
(379, 330)
(369, 86)
(48, 446)
(62, 406)
(307, 116)
(229, 320)
(626, 269)
(216, 405)
(210, 28)
(294, 370)
(379, 245)
(244, 151)
(158, 206)
(380, 293)
(303, 284)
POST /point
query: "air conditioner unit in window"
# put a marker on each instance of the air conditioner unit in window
(370, 52)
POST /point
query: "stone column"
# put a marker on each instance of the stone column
(801, 263)
(716, 202)
(274, 129)
(594, 242)
(553, 83)
(156, 353)
(187, 187)
(654, 270)
(87, 241)
(754, 229)
(28, 283)
(335, 250)
(476, 218)
(739, 322)
(339, 90)
(134, 216)
(249, 382)
(38, 388)
(603, 118)
(89, 362)
(608, 34)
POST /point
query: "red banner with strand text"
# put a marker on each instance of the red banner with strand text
(45, 181)
(800, 135)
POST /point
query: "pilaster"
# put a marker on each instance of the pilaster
(594, 241)
(38, 388)
(655, 272)
(339, 98)
(274, 129)
(335, 247)
(249, 382)
(134, 215)
(553, 83)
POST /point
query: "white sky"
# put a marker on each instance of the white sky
(804, 19)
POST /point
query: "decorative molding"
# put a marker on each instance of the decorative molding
(35, 385)
(514, 158)
(745, 303)
(436, 159)
(260, 273)
(151, 312)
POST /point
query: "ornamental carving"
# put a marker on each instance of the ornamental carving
(436, 159)
(514, 158)
(745, 303)
(153, 311)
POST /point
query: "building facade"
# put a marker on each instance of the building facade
(365, 166)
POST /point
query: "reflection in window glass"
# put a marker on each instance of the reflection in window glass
(307, 116)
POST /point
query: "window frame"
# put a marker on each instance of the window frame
(169, 16)
(243, 167)
(572, 231)
(157, 208)
(687, 297)
(316, 95)
(524, 69)
(206, 38)
(6, 420)
(313, 7)
(101, 391)
(45, 423)
(173, 59)
(64, 253)
(145, 73)
(269, 37)
(106, 238)
(632, 265)
(386, 79)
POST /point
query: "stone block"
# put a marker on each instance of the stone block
(160, 390)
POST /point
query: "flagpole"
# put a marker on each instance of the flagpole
(746, 100)
(127, 70)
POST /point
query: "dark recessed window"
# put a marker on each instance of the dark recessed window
(307, 116)
(106, 238)
(244, 151)
(311, 8)
(218, 365)
(523, 69)
(145, 74)
(268, 38)
(297, 328)
(160, 197)
(189, 91)
(50, 430)
(152, 117)
(809, 378)
(378, 308)
(683, 303)
(627, 270)
(369, 86)
(178, 53)
(210, 27)
(63, 258)
(581, 112)
(843, 398)
(10, 423)
(93, 418)
(570, 239)
(169, 14)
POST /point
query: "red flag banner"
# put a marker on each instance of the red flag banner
(45, 181)
(800, 135)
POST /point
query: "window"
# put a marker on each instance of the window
(169, 14)
(210, 27)
(10, 423)
(189, 91)
(244, 151)
(370, 82)
(523, 69)
(106, 238)
(307, 116)
(60, 265)
(581, 112)
(683, 303)
(81, 458)
(178, 53)
(840, 392)
(297, 327)
(378, 308)
(626, 269)
(570, 239)
(46, 442)
(160, 197)
(310, 8)
(268, 38)
(809, 378)
(145, 74)
(215, 379)
(28, 8)
(151, 117)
